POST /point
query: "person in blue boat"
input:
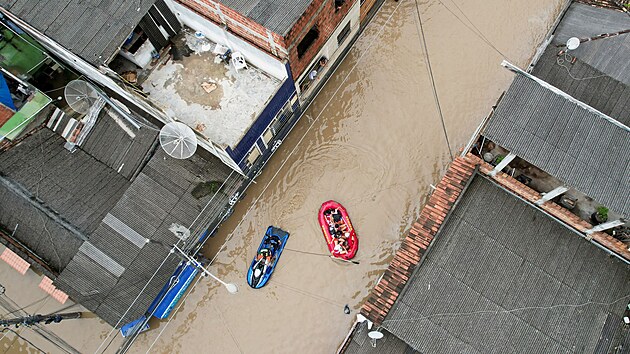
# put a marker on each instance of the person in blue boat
(265, 254)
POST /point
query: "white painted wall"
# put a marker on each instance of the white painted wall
(331, 49)
(215, 33)
(142, 57)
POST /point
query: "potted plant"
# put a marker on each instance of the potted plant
(600, 215)
(498, 159)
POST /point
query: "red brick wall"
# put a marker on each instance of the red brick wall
(5, 114)
(232, 19)
(321, 13)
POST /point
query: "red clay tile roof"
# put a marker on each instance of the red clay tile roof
(15, 261)
(416, 242)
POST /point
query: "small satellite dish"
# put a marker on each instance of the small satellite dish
(375, 335)
(80, 95)
(178, 140)
(573, 43)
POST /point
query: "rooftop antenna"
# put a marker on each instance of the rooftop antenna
(573, 43)
(80, 96)
(374, 336)
(178, 140)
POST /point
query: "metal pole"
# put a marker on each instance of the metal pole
(231, 288)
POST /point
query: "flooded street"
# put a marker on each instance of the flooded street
(373, 141)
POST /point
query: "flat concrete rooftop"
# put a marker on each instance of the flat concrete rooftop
(223, 115)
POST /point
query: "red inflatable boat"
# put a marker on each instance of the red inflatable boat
(340, 236)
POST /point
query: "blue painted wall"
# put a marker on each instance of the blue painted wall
(286, 91)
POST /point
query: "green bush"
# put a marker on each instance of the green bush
(602, 211)
(205, 188)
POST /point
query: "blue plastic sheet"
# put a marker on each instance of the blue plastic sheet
(5, 94)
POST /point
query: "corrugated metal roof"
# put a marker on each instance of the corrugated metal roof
(609, 55)
(109, 143)
(389, 344)
(494, 256)
(584, 149)
(92, 29)
(276, 15)
(158, 197)
(586, 84)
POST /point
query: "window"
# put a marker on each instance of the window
(343, 34)
(339, 4)
(254, 154)
(307, 41)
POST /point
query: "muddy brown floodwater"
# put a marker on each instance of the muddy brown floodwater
(373, 141)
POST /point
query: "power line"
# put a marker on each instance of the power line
(434, 88)
(455, 314)
(27, 306)
(18, 335)
(478, 32)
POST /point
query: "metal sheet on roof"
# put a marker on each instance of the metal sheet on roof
(92, 29)
(609, 55)
(521, 284)
(101, 258)
(589, 155)
(585, 83)
(124, 230)
(276, 15)
(158, 197)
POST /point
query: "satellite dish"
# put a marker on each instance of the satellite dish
(178, 140)
(80, 95)
(573, 43)
(375, 335)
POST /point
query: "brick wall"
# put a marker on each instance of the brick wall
(321, 13)
(5, 114)
(239, 25)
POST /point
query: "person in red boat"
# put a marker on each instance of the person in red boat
(340, 245)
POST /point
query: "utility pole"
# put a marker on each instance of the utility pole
(36, 319)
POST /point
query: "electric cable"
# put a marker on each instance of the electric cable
(25, 307)
(478, 32)
(454, 314)
(432, 78)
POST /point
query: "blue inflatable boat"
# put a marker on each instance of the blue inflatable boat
(267, 257)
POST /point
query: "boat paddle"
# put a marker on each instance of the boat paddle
(323, 254)
(345, 260)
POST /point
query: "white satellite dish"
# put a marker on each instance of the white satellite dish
(178, 140)
(573, 43)
(375, 335)
(80, 95)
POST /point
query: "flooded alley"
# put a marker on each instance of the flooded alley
(372, 140)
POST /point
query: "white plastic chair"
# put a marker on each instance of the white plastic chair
(238, 60)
